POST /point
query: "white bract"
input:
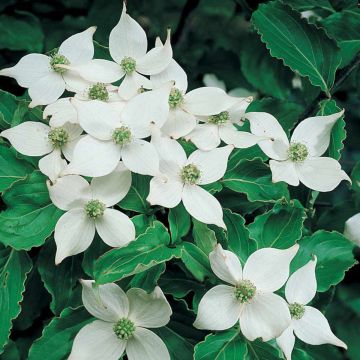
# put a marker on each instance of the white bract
(122, 324)
(181, 178)
(249, 299)
(352, 229)
(33, 138)
(42, 75)
(88, 209)
(308, 323)
(300, 159)
(214, 128)
(128, 48)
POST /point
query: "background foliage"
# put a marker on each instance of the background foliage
(295, 67)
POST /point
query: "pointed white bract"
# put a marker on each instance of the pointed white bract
(352, 226)
(250, 298)
(88, 208)
(300, 159)
(121, 325)
(307, 323)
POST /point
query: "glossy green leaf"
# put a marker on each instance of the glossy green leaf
(30, 216)
(334, 257)
(14, 267)
(22, 32)
(12, 168)
(135, 199)
(253, 178)
(303, 47)
(344, 27)
(61, 281)
(148, 279)
(203, 236)
(148, 250)
(57, 337)
(281, 227)
(179, 222)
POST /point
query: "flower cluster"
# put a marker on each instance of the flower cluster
(108, 130)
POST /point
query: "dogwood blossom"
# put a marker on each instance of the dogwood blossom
(37, 139)
(88, 209)
(300, 159)
(42, 75)
(185, 108)
(118, 135)
(122, 324)
(128, 48)
(308, 323)
(222, 126)
(181, 177)
(250, 298)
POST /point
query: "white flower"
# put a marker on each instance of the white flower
(42, 76)
(186, 107)
(250, 300)
(208, 136)
(300, 159)
(60, 112)
(181, 178)
(308, 323)
(33, 138)
(128, 46)
(88, 209)
(352, 229)
(118, 135)
(121, 325)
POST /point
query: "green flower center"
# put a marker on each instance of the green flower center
(58, 137)
(245, 291)
(122, 135)
(98, 91)
(94, 209)
(298, 152)
(190, 174)
(124, 329)
(220, 118)
(128, 64)
(58, 59)
(175, 98)
(297, 310)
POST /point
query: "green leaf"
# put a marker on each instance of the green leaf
(231, 345)
(148, 250)
(344, 27)
(57, 337)
(14, 267)
(303, 47)
(281, 227)
(225, 345)
(148, 279)
(262, 71)
(196, 261)
(22, 32)
(237, 235)
(338, 132)
(30, 216)
(12, 168)
(334, 257)
(303, 5)
(179, 222)
(135, 200)
(254, 179)
(61, 281)
(204, 237)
